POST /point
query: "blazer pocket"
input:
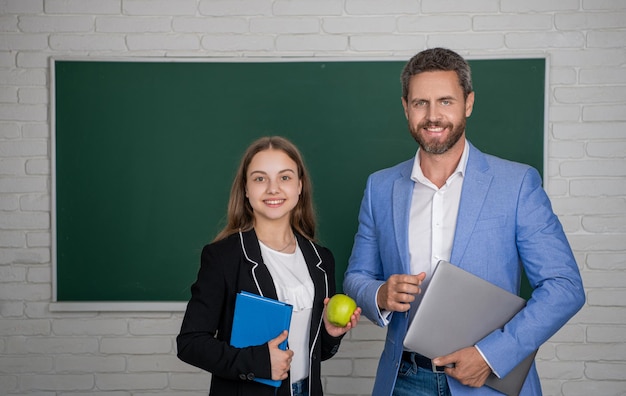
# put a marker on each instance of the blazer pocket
(490, 223)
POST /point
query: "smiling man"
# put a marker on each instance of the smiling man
(484, 214)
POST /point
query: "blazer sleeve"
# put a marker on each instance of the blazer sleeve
(204, 336)
(365, 273)
(553, 274)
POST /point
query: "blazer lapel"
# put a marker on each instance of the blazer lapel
(401, 195)
(475, 187)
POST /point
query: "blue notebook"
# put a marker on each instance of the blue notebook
(257, 320)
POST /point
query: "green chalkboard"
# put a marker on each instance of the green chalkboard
(145, 152)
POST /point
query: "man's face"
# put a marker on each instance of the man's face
(436, 110)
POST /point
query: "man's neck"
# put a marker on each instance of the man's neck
(439, 167)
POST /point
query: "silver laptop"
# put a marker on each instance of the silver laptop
(459, 309)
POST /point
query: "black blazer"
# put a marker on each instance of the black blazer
(228, 267)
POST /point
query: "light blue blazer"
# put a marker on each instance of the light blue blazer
(505, 223)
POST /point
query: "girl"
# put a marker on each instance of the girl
(267, 248)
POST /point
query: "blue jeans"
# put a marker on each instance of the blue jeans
(300, 388)
(416, 381)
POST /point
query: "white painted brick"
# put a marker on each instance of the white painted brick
(27, 256)
(460, 6)
(23, 148)
(21, 185)
(604, 94)
(38, 239)
(116, 24)
(221, 25)
(8, 202)
(163, 42)
(24, 112)
(607, 298)
(145, 381)
(157, 363)
(235, 7)
(238, 43)
(596, 243)
(337, 367)
(606, 371)
(583, 131)
(569, 333)
(478, 41)
(373, 7)
(12, 166)
(198, 381)
(35, 202)
(594, 168)
(367, 331)
(159, 7)
(347, 386)
(311, 43)
(612, 334)
(387, 43)
(143, 327)
(9, 95)
(561, 370)
(33, 95)
(35, 130)
(83, 6)
(37, 167)
(598, 279)
(587, 58)
(39, 274)
(90, 327)
(23, 364)
(7, 59)
(586, 388)
(9, 130)
(512, 22)
(8, 23)
(24, 327)
(590, 20)
(365, 367)
(566, 149)
(603, 315)
(607, 149)
(25, 292)
(295, 25)
(529, 6)
(370, 349)
(437, 23)
(598, 187)
(545, 40)
(89, 364)
(606, 39)
(605, 224)
(609, 5)
(607, 261)
(18, 77)
(62, 345)
(12, 273)
(21, 7)
(360, 24)
(595, 352)
(307, 7)
(45, 24)
(556, 187)
(603, 75)
(87, 42)
(133, 345)
(565, 76)
(33, 59)
(604, 113)
(11, 309)
(57, 382)
(23, 42)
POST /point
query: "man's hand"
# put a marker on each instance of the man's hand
(399, 292)
(469, 366)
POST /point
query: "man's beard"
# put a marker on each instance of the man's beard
(435, 146)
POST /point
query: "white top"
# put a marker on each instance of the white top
(293, 286)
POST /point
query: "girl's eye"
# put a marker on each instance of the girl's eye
(259, 179)
(285, 178)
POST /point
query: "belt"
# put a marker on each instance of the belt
(422, 361)
(300, 387)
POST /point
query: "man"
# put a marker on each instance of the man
(451, 202)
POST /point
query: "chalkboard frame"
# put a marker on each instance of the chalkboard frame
(97, 305)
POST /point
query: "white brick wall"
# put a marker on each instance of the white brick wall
(55, 353)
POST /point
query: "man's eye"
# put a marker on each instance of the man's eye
(445, 102)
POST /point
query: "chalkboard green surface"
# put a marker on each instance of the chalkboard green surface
(145, 152)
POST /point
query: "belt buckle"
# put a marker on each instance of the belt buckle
(436, 368)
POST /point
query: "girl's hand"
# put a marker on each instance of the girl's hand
(337, 331)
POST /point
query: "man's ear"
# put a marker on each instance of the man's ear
(469, 104)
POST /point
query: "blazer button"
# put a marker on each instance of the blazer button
(242, 376)
(251, 376)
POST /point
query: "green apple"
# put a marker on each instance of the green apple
(339, 309)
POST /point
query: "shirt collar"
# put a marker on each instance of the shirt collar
(418, 176)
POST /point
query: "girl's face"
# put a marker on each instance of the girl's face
(273, 186)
